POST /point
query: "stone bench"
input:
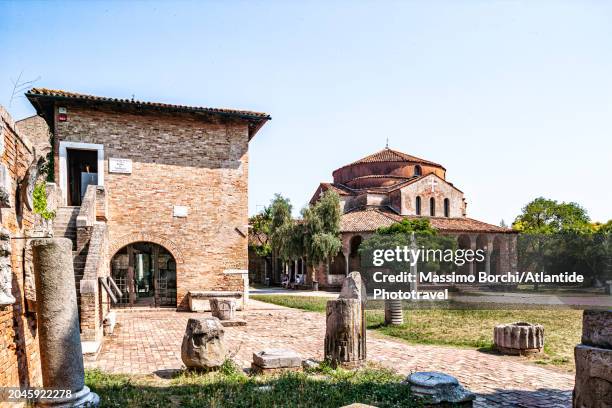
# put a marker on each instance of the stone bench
(199, 301)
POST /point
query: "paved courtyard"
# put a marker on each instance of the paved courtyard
(149, 341)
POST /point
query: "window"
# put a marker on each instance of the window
(417, 170)
(446, 207)
(432, 207)
(418, 205)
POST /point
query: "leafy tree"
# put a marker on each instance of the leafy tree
(320, 230)
(260, 233)
(544, 216)
(412, 233)
(281, 225)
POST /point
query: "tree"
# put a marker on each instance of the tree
(321, 230)
(416, 232)
(544, 216)
(556, 237)
(281, 225)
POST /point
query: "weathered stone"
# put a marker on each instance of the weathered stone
(6, 271)
(58, 322)
(223, 308)
(597, 328)
(439, 389)
(5, 185)
(593, 388)
(353, 288)
(277, 358)
(519, 338)
(345, 342)
(233, 323)
(203, 346)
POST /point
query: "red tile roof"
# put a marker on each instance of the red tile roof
(370, 219)
(389, 155)
(59, 94)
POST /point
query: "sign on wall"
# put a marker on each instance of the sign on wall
(116, 165)
(180, 211)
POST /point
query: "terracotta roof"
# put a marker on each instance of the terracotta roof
(389, 155)
(43, 100)
(366, 220)
(370, 219)
(55, 93)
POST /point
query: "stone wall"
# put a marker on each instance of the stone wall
(19, 352)
(177, 159)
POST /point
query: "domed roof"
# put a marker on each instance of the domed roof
(389, 155)
(384, 169)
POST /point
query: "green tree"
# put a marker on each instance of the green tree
(281, 225)
(544, 216)
(320, 230)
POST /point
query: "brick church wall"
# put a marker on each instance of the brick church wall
(19, 352)
(177, 159)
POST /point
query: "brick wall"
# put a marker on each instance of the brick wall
(19, 353)
(177, 159)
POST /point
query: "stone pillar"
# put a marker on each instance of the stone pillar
(489, 252)
(61, 355)
(593, 386)
(473, 248)
(345, 334)
(346, 262)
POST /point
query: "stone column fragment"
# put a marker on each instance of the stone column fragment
(61, 355)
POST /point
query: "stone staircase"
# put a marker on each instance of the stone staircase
(64, 225)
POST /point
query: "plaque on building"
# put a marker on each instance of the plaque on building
(123, 166)
(180, 211)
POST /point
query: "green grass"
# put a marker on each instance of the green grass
(466, 328)
(230, 387)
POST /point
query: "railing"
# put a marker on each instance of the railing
(87, 213)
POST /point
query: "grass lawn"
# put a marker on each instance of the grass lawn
(230, 387)
(465, 328)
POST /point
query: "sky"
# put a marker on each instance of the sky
(513, 98)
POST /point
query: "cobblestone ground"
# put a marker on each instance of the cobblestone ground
(148, 342)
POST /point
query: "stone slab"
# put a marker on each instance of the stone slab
(233, 323)
(593, 387)
(277, 358)
(597, 328)
(255, 369)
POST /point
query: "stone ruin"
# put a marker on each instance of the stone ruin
(519, 339)
(6, 275)
(439, 390)
(345, 334)
(271, 361)
(203, 347)
(593, 386)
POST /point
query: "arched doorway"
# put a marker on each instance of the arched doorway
(354, 256)
(146, 274)
(464, 243)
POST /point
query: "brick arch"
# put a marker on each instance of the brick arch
(147, 237)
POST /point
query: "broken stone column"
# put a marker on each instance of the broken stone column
(203, 346)
(439, 390)
(61, 357)
(6, 271)
(345, 335)
(593, 386)
(223, 308)
(519, 339)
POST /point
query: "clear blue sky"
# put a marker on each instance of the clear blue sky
(513, 98)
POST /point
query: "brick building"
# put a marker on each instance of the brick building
(388, 186)
(19, 352)
(153, 195)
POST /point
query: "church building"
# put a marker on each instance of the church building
(389, 186)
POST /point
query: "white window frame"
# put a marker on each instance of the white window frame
(63, 163)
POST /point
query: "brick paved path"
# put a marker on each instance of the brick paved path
(149, 342)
